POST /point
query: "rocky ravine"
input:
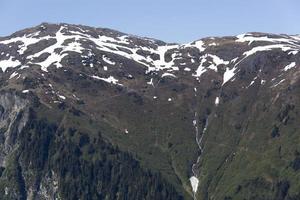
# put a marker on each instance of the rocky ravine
(217, 118)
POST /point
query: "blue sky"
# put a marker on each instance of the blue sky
(169, 20)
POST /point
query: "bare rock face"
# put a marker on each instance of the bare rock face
(91, 113)
(13, 118)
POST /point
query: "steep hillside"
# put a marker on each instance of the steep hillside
(90, 113)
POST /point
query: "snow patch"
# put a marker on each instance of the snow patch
(62, 97)
(252, 82)
(216, 61)
(108, 60)
(151, 82)
(217, 101)
(201, 69)
(293, 52)
(281, 81)
(251, 38)
(10, 63)
(290, 66)
(229, 73)
(213, 44)
(194, 183)
(198, 44)
(14, 74)
(168, 74)
(110, 79)
(56, 58)
(26, 40)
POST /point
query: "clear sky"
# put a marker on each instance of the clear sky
(169, 20)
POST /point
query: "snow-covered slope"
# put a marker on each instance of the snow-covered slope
(49, 45)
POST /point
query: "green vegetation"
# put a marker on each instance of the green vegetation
(87, 166)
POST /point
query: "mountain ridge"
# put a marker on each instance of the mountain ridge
(146, 37)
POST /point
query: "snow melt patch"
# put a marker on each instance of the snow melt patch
(194, 183)
(55, 58)
(10, 63)
(285, 43)
(26, 40)
(267, 48)
(201, 69)
(283, 47)
(108, 60)
(251, 38)
(234, 60)
(13, 75)
(161, 63)
(275, 85)
(151, 82)
(62, 97)
(217, 101)
(293, 52)
(252, 82)
(168, 74)
(229, 73)
(290, 66)
(198, 44)
(110, 79)
(216, 61)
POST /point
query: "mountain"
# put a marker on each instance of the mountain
(91, 113)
